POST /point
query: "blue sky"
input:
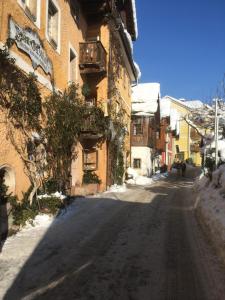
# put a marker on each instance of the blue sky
(181, 45)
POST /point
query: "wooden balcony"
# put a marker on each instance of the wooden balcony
(92, 58)
(194, 148)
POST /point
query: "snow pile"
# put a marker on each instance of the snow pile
(116, 189)
(56, 194)
(166, 110)
(211, 206)
(41, 220)
(143, 180)
(131, 173)
(210, 144)
(145, 99)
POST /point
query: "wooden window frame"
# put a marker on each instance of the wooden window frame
(135, 123)
(86, 151)
(36, 19)
(135, 160)
(71, 49)
(54, 43)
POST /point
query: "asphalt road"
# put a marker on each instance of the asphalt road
(139, 245)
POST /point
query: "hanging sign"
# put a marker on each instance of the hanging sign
(28, 40)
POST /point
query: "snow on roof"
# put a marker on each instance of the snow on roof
(144, 98)
(193, 103)
(138, 70)
(188, 103)
(167, 111)
(133, 6)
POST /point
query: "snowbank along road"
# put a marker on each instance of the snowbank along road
(141, 244)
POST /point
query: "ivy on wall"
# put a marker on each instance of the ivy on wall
(44, 133)
(117, 112)
(20, 107)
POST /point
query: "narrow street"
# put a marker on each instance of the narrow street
(138, 245)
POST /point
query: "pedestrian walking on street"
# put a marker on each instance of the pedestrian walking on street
(183, 168)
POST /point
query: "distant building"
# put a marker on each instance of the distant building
(186, 140)
(144, 124)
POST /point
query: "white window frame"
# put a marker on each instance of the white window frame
(38, 16)
(76, 58)
(58, 48)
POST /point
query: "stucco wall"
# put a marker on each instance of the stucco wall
(143, 153)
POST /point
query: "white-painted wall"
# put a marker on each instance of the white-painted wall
(143, 153)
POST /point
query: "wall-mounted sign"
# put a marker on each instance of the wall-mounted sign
(28, 40)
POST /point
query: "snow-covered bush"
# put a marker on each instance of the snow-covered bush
(23, 212)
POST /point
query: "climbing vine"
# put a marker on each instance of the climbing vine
(20, 111)
(117, 113)
(67, 117)
(44, 133)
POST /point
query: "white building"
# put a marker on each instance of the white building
(145, 100)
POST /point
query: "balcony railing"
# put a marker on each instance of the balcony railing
(194, 148)
(92, 57)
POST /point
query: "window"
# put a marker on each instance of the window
(137, 163)
(32, 10)
(53, 23)
(90, 160)
(72, 66)
(75, 10)
(137, 126)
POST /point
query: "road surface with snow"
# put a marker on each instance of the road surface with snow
(140, 244)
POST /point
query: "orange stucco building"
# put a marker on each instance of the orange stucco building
(86, 42)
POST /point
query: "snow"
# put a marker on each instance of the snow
(143, 180)
(41, 220)
(133, 6)
(167, 111)
(128, 36)
(211, 205)
(140, 180)
(145, 98)
(194, 104)
(56, 194)
(138, 70)
(165, 107)
(116, 189)
(210, 144)
(19, 247)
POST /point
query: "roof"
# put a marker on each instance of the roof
(191, 104)
(144, 98)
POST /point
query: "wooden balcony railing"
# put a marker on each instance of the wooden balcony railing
(194, 148)
(92, 57)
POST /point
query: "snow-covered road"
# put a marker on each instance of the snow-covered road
(140, 244)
